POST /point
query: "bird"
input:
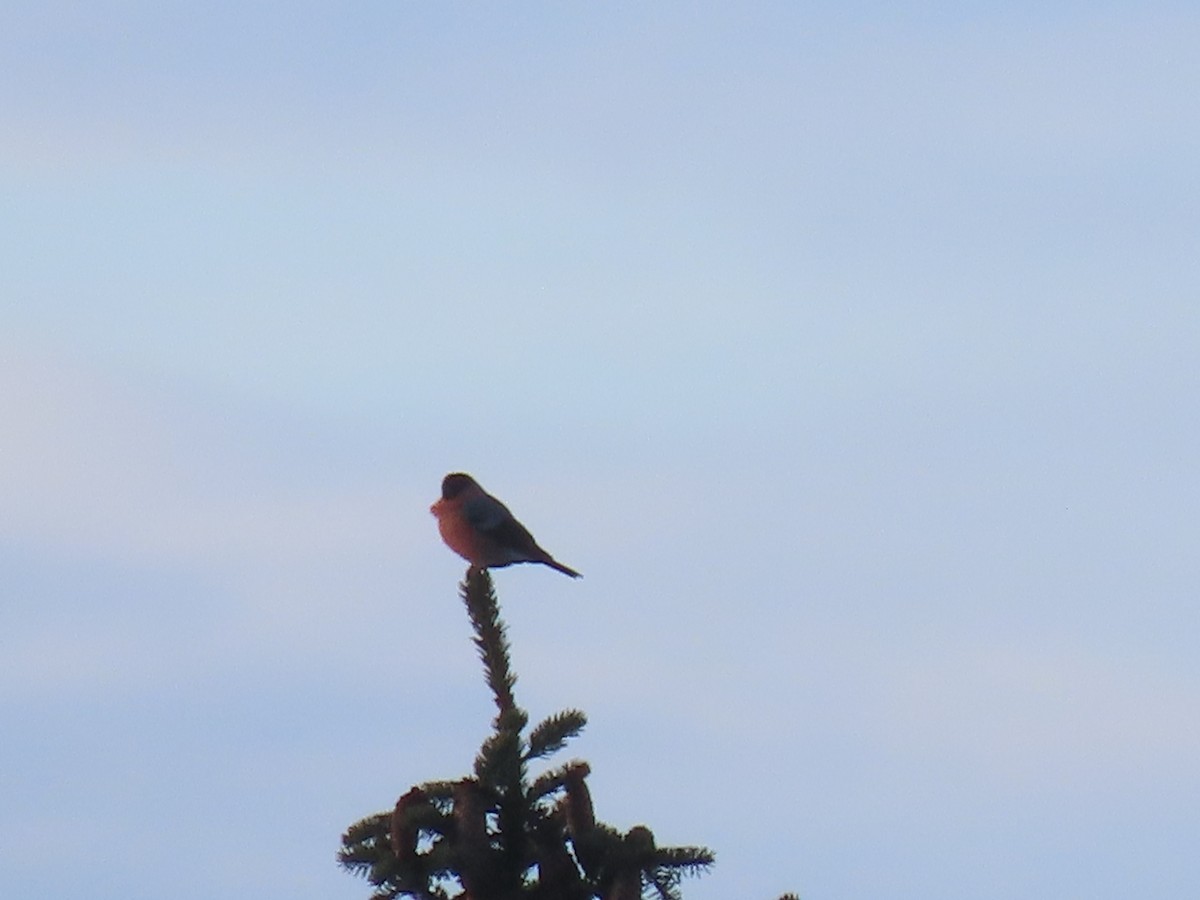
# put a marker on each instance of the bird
(481, 530)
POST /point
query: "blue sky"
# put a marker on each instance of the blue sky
(848, 349)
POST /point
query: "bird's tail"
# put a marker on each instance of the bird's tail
(555, 564)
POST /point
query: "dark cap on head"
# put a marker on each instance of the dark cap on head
(454, 484)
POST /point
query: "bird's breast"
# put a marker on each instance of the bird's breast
(457, 532)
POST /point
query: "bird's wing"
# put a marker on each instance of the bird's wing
(493, 519)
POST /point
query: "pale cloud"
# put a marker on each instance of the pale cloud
(1054, 715)
(92, 465)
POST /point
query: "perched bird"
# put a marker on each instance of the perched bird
(481, 530)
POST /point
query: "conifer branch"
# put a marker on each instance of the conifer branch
(491, 641)
(553, 780)
(552, 733)
(499, 761)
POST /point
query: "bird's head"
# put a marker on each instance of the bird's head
(455, 483)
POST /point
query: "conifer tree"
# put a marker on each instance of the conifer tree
(498, 834)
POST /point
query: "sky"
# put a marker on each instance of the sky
(849, 350)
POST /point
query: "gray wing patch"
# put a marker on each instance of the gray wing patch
(492, 518)
(486, 513)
